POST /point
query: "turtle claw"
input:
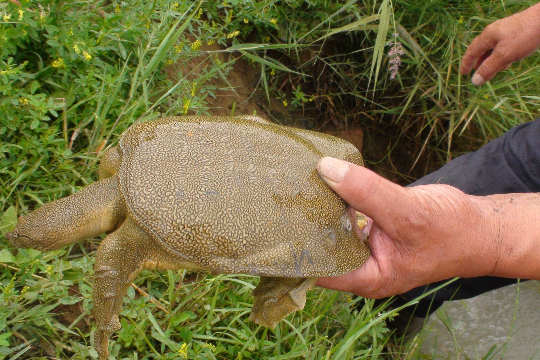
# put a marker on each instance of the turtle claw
(101, 343)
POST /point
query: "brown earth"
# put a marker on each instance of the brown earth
(239, 93)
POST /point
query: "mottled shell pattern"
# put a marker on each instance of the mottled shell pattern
(240, 195)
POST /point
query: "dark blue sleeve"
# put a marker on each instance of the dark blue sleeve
(509, 164)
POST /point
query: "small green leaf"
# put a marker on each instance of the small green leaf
(180, 318)
(34, 87)
(68, 300)
(122, 49)
(8, 221)
(34, 124)
(130, 293)
(6, 257)
(4, 339)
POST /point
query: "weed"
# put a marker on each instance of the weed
(74, 75)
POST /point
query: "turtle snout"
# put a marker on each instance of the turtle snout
(21, 241)
(15, 239)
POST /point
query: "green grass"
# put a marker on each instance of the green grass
(74, 75)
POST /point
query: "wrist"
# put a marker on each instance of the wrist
(515, 219)
(484, 239)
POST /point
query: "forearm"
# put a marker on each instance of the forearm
(517, 220)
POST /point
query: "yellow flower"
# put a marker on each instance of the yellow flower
(234, 34)
(86, 55)
(147, 25)
(285, 103)
(193, 89)
(272, 72)
(461, 20)
(70, 32)
(186, 108)
(273, 21)
(178, 48)
(486, 96)
(169, 62)
(199, 14)
(210, 42)
(197, 44)
(175, 5)
(24, 291)
(246, 21)
(21, 14)
(211, 347)
(58, 63)
(117, 8)
(183, 351)
(311, 98)
(23, 101)
(7, 17)
(42, 13)
(49, 269)
(76, 48)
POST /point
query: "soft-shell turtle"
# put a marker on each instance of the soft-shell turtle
(223, 194)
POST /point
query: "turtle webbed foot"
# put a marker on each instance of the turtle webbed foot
(101, 343)
(277, 297)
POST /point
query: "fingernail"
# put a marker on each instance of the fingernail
(333, 169)
(477, 79)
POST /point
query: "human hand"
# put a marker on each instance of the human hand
(501, 43)
(419, 235)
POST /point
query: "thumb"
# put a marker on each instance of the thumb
(490, 67)
(364, 190)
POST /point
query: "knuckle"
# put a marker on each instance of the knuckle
(502, 55)
(419, 218)
(491, 29)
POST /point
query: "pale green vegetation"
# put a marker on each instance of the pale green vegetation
(74, 75)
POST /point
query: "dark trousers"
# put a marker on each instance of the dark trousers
(509, 164)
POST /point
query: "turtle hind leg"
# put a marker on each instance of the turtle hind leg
(119, 259)
(277, 297)
(109, 163)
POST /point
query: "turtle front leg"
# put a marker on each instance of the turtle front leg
(120, 257)
(277, 297)
(96, 209)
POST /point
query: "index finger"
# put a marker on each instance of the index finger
(478, 47)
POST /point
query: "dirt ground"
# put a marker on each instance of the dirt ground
(240, 94)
